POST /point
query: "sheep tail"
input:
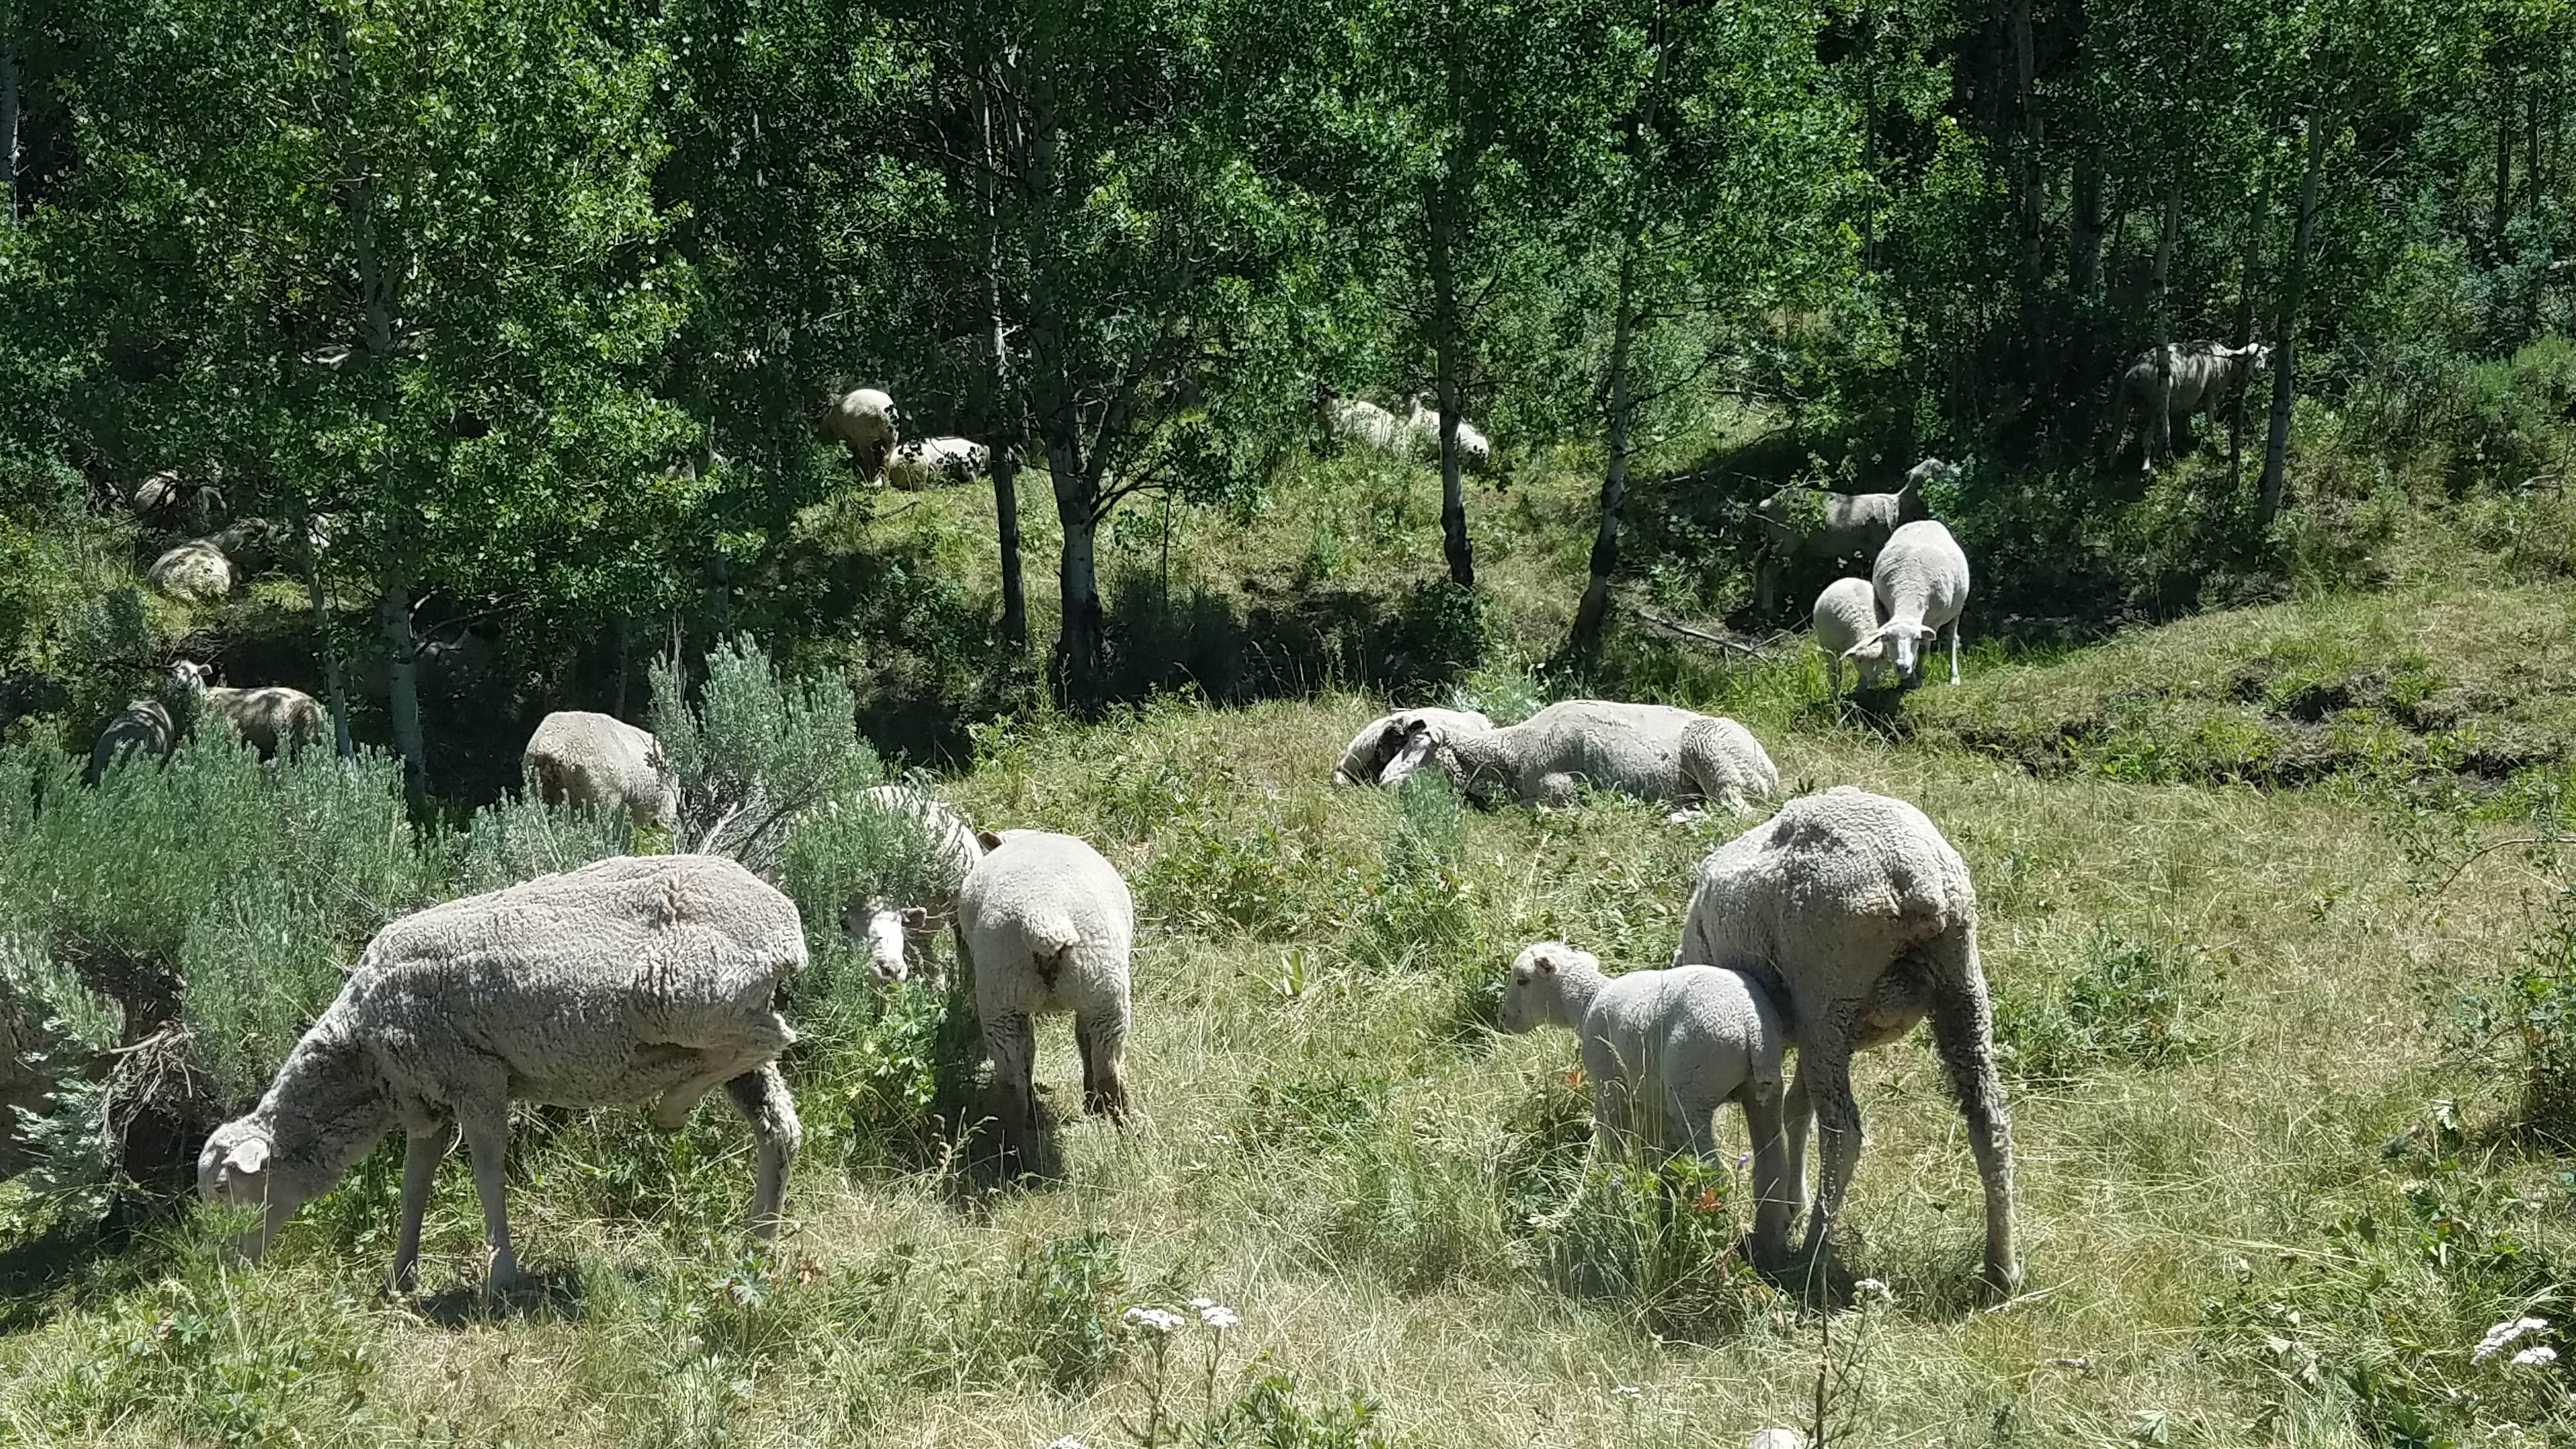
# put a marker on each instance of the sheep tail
(1051, 944)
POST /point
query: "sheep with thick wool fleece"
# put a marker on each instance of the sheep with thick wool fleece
(1372, 747)
(1921, 579)
(864, 420)
(1665, 1049)
(634, 980)
(896, 928)
(144, 726)
(1651, 751)
(1049, 927)
(597, 761)
(271, 719)
(933, 462)
(1845, 623)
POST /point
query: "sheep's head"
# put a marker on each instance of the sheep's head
(1369, 751)
(1424, 743)
(189, 677)
(889, 930)
(1533, 993)
(238, 1169)
(1903, 642)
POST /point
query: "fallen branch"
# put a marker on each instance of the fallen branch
(1675, 626)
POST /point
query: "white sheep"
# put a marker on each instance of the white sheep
(1372, 747)
(192, 573)
(1422, 437)
(1665, 1049)
(894, 929)
(864, 421)
(933, 462)
(1921, 580)
(1048, 927)
(599, 761)
(1843, 525)
(1858, 919)
(639, 979)
(143, 726)
(1356, 420)
(1846, 627)
(270, 720)
(1651, 751)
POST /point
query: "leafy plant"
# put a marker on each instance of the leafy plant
(2124, 1001)
(754, 751)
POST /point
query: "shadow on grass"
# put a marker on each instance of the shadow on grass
(548, 1294)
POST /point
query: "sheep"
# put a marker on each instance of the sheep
(864, 421)
(1851, 525)
(893, 928)
(580, 758)
(192, 573)
(1665, 1049)
(1422, 436)
(1846, 627)
(1921, 581)
(1048, 926)
(1858, 919)
(270, 720)
(638, 979)
(169, 498)
(1651, 751)
(2200, 378)
(1372, 747)
(1356, 420)
(932, 462)
(144, 726)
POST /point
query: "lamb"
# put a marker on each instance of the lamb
(933, 462)
(1921, 579)
(1048, 925)
(1372, 747)
(192, 573)
(865, 422)
(1665, 1049)
(1651, 751)
(1846, 627)
(1851, 525)
(638, 979)
(270, 720)
(1858, 919)
(2201, 376)
(143, 727)
(894, 928)
(599, 761)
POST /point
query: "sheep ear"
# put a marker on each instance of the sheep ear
(988, 840)
(915, 918)
(248, 1156)
(1547, 965)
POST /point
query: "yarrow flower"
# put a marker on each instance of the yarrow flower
(1159, 1320)
(1215, 1315)
(2538, 1353)
(2502, 1335)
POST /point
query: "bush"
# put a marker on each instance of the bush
(1418, 908)
(755, 751)
(2123, 1002)
(1658, 1239)
(2533, 1006)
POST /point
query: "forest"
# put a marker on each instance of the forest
(462, 362)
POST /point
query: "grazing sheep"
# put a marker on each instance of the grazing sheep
(144, 726)
(269, 720)
(1048, 926)
(2202, 376)
(1422, 436)
(1846, 627)
(895, 928)
(192, 573)
(1665, 1049)
(637, 979)
(932, 462)
(1921, 579)
(1372, 747)
(1858, 919)
(1355, 420)
(1651, 751)
(169, 499)
(1850, 525)
(864, 421)
(600, 761)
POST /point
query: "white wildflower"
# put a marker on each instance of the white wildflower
(2537, 1354)
(1202, 1304)
(1158, 1320)
(1628, 1391)
(1215, 1315)
(2503, 1334)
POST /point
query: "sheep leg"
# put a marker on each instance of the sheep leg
(423, 1150)
(1775, 1179)
(1834, 678)
(1011, 1041)
(1954, 651)
(1963, 1033)
(761, 1096)
(487, 1139)
(1101, 1038)
(1824, 1072)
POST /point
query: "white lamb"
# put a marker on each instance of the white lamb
(1372, 747)
(641, 979)
(269, 720)
(600, 762)
(1846, 627)
(1048, 927)
(1665, 1049)
(192, 573)
(865, 422)
(1921, 580)
(895, 929)
(1858, 919)
(1651, 751)
(934, 462)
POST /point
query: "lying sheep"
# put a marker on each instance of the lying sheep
(600, 762)
(641, 979)
(192, 573)
(1665, 1049)
(143, 727)
(1858, 919)
(1651, 751)
(897, 928)
(1422, 437)
(1351, 420)
(1921, 582)
(1849, 525)
(1372, 747)
(270, 720)
(1048, 925)
(1846, 627)
(933, 462)
(864, 421)
(2201, 377)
